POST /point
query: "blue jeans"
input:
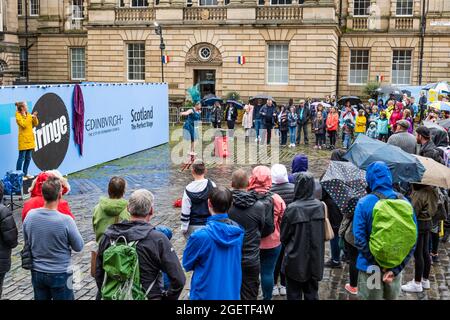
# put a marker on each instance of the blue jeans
(335, 249)
(292, 131)
(347, 140)
(258, 126)
(52, 286)
(24, 155)
(268, 259)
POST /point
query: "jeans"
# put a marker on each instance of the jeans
(308, 290)
(250, 282)
(347, 140)
(268, 259)
(292, 131)
(302, 127)
(24, 155)
(258, 127)
(2, 277)
(52, 286)
(335, 249)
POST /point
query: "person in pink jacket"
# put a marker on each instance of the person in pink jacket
(261, 182)
(396, 116)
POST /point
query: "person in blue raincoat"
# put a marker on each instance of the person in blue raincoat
(190, 129)
(214, 253)
(379, 179)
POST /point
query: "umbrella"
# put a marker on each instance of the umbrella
(210, 99)
(263, 97)
(436, 174)
(429, 86)
(441, 105)
(236, 104)
(404, 166)
(354, 101)
(433, 126)
(345, 183)
(440, 87)
(445, 123)
(325, 105)
(389, 90)
(408, 93)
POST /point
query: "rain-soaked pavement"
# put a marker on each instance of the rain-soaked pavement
(153, 170)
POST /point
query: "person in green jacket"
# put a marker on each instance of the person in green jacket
(110, 210)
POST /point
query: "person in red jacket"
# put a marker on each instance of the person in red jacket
(37, 200)
(332, 124)
(396, 116)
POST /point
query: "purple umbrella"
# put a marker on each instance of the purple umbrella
(78, 117)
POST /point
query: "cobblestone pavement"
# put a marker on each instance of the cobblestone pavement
(152, 170)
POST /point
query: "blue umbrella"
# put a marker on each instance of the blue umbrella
(209, 100)
(404, 166)
(236, 104)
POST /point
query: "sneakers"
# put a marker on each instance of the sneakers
(275, 291)
(332, 264)
(412, 286)
(350, 289)
(426, 284)
(282, 290)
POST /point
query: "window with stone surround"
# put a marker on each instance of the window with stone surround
(361, 8)
(404, 8)
(23, 59)
(207, 2)
(77, 10)
(139, 3)
(280, 2)
(278, 64)
(359, 66)
(136, 61)
(401, 67)
(34, 7)
(19, 7)
(78, 63)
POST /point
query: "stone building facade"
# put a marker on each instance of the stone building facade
(291, 48)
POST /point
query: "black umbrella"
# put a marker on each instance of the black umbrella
(345, 183)
(389, 90)
(210, 99)
(354, 100)
(263, 97)
(236, 104)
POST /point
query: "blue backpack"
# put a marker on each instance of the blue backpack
(13, 182)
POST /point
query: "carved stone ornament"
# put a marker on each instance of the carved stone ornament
(205, 14)
(195, 57)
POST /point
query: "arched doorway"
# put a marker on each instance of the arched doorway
(203, 67)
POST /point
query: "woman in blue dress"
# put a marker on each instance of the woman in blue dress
(190, 129)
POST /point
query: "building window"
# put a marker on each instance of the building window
(77, 10)
(278, 64)
(359, 66)
(207, 2)
(139, 3)
(227, 2)
(404, 8)
(361, 7)
(136, 61)
(34, 7)
(19, 7)
(401, 67)
(121, 3)
(280, 2)
(261, 2)
(23, 62)
(204, 53)
(78, 63)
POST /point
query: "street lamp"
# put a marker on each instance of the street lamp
(162, 46)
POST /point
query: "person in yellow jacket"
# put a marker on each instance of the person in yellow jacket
(361, 121)
(25, 122)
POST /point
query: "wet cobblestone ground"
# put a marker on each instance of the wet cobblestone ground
(151, 169)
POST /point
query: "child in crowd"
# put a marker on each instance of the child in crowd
(408, 117)
(319, 130)
(292, 122)
(360, 123)
(372, 131)
(383, 127)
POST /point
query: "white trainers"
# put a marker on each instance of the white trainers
(426, 284)
(282, 290)
(412, 286)
(275, 292)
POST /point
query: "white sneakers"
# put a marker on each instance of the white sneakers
(292, 145)
(282, 290)
(278, 291)
(413, 286)
(275, 291)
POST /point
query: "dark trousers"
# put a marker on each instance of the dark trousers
(302, 127)
(278, 272)
(352, 254)
(422, 257)
(308, 290)
(268, 127)
(335, 249)
(284, 136)
(332, 137)
(52, 286)
(2, 277)
(230, 124)
(250, 282)
(383, 137)
(217, 125)
(268, 260)
(24, 160)
(434, 242)
(320, 139)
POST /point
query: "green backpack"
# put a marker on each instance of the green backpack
(394, 232)
(122, 278)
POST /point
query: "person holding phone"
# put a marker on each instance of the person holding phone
(25, 121)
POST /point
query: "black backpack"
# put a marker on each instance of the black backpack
(269, 216)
